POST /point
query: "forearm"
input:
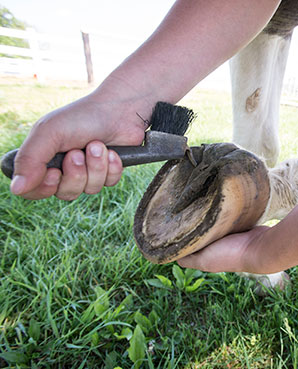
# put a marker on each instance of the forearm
(195, 38)
(277, 248)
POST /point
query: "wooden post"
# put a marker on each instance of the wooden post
(87, 51)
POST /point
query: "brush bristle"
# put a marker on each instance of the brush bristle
(170, 118)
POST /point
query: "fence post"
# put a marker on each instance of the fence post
(36, 58)
(87, 51)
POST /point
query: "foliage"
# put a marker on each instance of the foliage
(8, 20)
(75, 292)
(183, 280)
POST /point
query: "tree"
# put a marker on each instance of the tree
(8, 20)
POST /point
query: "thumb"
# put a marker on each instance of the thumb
(30, 164)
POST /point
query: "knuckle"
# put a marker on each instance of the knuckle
(40, 194)
(67, 196)
(92, 191)
(79, 177)
(75, 177)
(49, 125)
(52, 179)
(112, 181)
(46, 120)
(115, 169)
(31, 197)
(98, 165)
(42, 125)
(23, 158)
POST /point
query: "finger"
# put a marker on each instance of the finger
(114, 170)
(97, 166)
(47, 188)
(74, 176)
(30, 162)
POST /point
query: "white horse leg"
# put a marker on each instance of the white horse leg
(256, 74)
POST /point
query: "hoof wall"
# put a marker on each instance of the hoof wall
(185, 208)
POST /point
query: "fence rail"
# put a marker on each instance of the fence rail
(48, 56)
(11, 32)
(69, 58)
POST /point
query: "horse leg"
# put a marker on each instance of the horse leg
(257, 74)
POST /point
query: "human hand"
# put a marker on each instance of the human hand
(233, 253)
(99, 119)
(262, 250)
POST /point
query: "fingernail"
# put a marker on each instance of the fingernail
(112, 156)
(17, 185)
(96, 150)
(78, 158)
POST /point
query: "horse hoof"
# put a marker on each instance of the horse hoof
(185, 208)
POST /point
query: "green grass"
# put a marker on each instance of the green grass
(76, 293)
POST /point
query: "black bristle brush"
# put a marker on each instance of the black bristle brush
(173, 119)
(164, 140)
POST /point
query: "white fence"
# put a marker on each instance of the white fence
(55, 57)
(61, 57)
(48, 56)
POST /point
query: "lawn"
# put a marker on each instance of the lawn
(76, 293)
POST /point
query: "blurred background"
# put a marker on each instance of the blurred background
(44, 40)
